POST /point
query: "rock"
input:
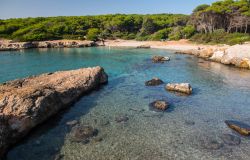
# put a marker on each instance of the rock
(160, 59)
(121, 119)
(82, 133)
(72, 123)
(143, 46)
(206, 53)
(160, 105)
(217, 56)
(97, 139)
(211, 144)
(154, 82)
(239, 127)
(25, 103)
(230, 139)
(179, 87)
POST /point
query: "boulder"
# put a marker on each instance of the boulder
(27, 102)
(154, 82)
(143, 46)
(230, 139)
(206, 53)
(160, 105)
(82, 133)
(179, 87)
(160, 59)
(217, 56)
(121, 118)
(239, 127)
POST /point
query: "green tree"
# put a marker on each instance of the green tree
(93, 34)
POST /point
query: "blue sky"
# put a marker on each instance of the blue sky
(35, 8)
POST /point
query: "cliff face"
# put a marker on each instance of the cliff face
(27, 102)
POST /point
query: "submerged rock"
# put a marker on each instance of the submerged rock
(25, 103)
(230, 139)
(160, 105)
(72, 123)
(179, 87)
(239, 127)
(154, 82)
(82, 133)
(121, 119)
(160, 59)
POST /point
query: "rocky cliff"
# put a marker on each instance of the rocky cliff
(25, 103)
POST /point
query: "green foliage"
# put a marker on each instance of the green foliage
(201, 7)
(78, 27)
(221, 38)
(188, 31)
(93, 34)
(161, 34)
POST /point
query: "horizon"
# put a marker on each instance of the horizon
(46, 8)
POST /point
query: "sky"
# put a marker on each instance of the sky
(46, 8)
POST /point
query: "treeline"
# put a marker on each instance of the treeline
(228, 15)
(140, 27)
(225, 21)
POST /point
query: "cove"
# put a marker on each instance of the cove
(189, 129)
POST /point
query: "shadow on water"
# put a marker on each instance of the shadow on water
(46, 140)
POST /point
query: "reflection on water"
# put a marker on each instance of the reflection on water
(192, 128)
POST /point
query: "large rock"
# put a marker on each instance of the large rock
(159, 105)
(154, 82)
(239, 127)
(82, 133)
(217, 56)
(179, 87)
(160, 59)
(25, 103)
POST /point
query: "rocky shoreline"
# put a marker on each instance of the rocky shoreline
(237, 55)
(9, 45)
(25, 103)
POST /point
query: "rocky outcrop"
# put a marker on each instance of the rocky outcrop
(45, 44)
(154, 82)
(239, 127)
(159, 105)
(179, 87)
(160, 59)
(25, 103)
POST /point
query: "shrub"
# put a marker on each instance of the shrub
(93, 34)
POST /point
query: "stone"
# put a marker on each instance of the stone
(160, 59)
(121, 119)
(206, 53)
(189, 122)
(217, 56)
(239, 127)
(160, 105)
(231, 139)
(179, 87)
(143, 46)
(72, 123)
(82, 133)
(154, 82)
(26, 103)
(212, 144)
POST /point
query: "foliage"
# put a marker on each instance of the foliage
(93, 34)
(81, 27)
(221, 38)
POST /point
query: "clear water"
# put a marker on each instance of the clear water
(184, 131)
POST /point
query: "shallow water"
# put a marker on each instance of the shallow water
(187, 130)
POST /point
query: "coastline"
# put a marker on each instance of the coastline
(236, 55)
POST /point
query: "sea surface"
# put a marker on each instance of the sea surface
(191, 129)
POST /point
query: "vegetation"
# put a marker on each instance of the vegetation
(90, 27)
(225, 21)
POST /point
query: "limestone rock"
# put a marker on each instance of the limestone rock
(154, 82)
(179, 87)
(27, 102)
(160, 105)
(160, 59)
(239, 127)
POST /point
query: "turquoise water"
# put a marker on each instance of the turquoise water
(187, 130)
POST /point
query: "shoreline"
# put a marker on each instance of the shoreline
(236, 55)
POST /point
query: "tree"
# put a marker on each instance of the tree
(201, 7)
(93, 34)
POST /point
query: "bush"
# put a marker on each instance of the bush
(161, 34)
(93, 34)
(220, 37)
(176, 34)
(188, 31)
